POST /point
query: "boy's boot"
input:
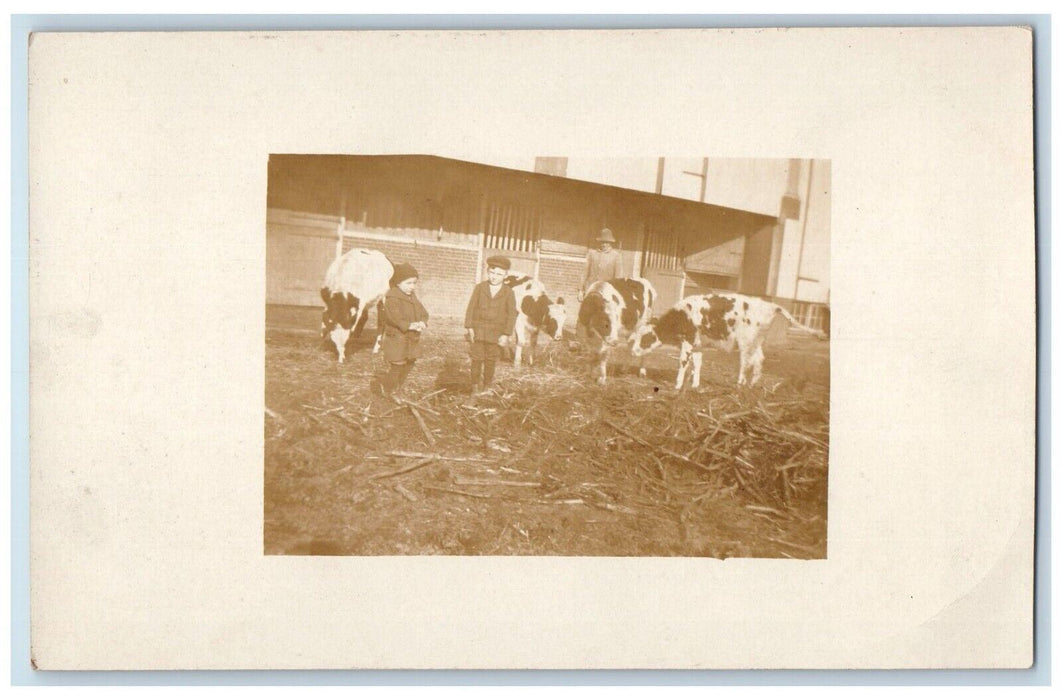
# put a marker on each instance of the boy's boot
(477, 376)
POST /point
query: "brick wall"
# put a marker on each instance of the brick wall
(447, 272)
(447, 275)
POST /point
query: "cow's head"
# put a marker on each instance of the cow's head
(600, 317)
(337, 321)
(674, 327)
(644, 339)
(555, 318)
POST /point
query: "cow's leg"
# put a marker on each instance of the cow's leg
(532, 343)
(684, 363)
(363, 316)
(756, 361)
(352, 338)
(379, 326)
(519, 339)
(744, 354)
(697, 358)
(641, 366)
(602, 368)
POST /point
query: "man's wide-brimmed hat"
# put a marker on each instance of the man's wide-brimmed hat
(606, 236)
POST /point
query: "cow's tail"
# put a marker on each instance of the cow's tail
(797, 324)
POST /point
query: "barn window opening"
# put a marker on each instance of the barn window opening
(512, 226)
(662, 252)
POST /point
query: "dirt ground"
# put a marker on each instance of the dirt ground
(548, 462)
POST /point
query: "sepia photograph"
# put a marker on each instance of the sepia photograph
(547, 356)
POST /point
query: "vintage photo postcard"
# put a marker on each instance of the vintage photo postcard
(561, 403)
(694, 349)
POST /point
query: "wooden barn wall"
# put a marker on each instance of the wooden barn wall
(717, 241)
(755, 269)
(427, 199)
(434, 194)
(296, 260)
(669, 286)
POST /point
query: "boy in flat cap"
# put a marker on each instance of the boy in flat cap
(489, 321)
(404, 319)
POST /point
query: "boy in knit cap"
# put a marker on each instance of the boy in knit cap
(489, 321)
(404, 319)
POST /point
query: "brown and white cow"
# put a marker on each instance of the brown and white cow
(354, 282)
(714, 320)
(610, 311)
(535, 314)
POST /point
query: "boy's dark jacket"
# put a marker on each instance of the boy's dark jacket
(399, 343)
(491, 317)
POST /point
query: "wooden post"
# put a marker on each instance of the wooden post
(339, 235)
(479, 257)
(636, 270)
(342, 222)
(491, 223)
(803, 232)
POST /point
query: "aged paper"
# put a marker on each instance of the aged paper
(148, 163)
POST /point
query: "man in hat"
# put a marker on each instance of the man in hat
(489, 321)
(602, 264)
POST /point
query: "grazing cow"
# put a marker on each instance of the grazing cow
(354, 282)
(535, 314)
(714, 320)
(612, 310)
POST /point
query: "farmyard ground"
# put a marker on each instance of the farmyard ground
(548, 463)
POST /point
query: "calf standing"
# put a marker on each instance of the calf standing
(713, 320)
(535, 314)
(611, 310)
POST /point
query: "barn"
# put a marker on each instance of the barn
(445, 216)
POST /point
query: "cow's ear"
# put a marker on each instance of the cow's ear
(325, 294)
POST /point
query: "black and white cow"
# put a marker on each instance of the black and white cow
(354, 282)
(714, 320)
(535, 314)
(610, 311)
